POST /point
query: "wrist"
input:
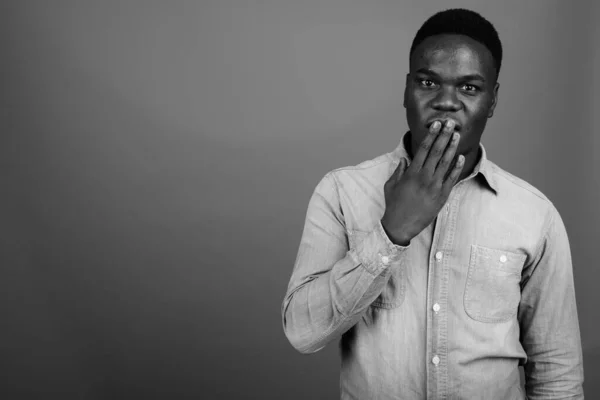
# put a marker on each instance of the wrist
(396, 238)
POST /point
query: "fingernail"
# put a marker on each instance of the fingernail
(436, 124)
(455, 136)
(450, 124)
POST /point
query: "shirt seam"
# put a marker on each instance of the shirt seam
(543, 237)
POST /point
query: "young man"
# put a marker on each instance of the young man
(439, 272)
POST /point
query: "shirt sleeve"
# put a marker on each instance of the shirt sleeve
(548, 320)
(332, 283)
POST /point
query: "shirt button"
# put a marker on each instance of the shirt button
(502, 258)
(435, 360)
(385, 259)
(436, 307)
(438, 255)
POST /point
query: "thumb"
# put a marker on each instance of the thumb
(401, 168)
(397, 174)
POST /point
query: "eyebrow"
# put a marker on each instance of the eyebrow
(470, 77)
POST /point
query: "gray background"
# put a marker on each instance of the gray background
(157, 158)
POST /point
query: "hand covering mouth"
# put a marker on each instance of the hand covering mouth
(457, 125)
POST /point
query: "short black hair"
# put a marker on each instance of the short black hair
(460, 21)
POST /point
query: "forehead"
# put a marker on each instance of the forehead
(453, 54)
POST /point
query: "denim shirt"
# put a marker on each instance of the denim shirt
(486, 287)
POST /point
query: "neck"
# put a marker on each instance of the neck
(471, 160)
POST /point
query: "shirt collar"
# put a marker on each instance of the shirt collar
(482, 167)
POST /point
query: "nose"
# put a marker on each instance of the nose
(446, 100)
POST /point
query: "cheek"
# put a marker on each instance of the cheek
(414, 99)
(477, 115)
(415, 106)
(479, 108)
(480, 119)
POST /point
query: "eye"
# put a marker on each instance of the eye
(470, 88)
(428, 83)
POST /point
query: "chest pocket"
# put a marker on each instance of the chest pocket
(493, 291)
(392, 295)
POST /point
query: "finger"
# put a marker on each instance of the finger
(450, 168)
(437, 150)
(421, 155)
(400, 168)
(447, 159)
(454, 174)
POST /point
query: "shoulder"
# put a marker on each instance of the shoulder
(512, 182)
(355, 181)
(527, 195)
(374, 170)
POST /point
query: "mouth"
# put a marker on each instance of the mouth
(443, 120)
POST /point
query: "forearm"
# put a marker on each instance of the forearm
(554, 368)
(320, 307)
(554, 371)
(327, 306)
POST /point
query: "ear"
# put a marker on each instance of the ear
(406, 89)
(494, 100)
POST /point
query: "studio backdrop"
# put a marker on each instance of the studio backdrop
(157, 158)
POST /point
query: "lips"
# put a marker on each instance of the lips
(457, 125)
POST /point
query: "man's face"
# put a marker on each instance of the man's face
(451, 77)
